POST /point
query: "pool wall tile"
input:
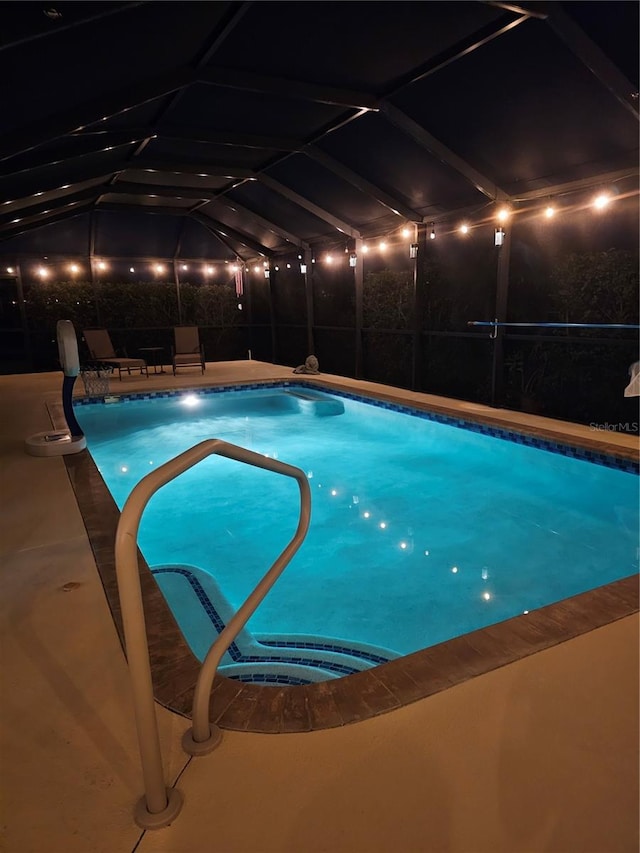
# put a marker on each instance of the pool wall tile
(531, 440)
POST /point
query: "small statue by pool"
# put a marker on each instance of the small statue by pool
(310, 366)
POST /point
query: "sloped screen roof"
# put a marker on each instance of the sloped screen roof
(269, 126)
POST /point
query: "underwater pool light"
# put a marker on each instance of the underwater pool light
(190, 400)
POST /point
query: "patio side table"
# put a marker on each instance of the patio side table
(154, 356)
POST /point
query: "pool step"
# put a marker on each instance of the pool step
(202, 611)
(317, 404)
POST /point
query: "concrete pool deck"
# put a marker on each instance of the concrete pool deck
(540, 754)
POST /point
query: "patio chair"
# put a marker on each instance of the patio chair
(188, 351)
(101, 349)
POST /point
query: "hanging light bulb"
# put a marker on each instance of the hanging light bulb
(464, 228)
(382, 246)
(549, 211)
(432, 233)
(184, 267)
(365, 248)
(601, 201)
(406, 233)
(503, 214)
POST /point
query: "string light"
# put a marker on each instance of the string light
(548, 209)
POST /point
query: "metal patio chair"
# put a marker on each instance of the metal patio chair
(101, 349)
(188, 351)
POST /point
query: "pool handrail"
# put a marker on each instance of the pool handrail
(160, 805)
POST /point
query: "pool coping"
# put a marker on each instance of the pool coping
(269, 709)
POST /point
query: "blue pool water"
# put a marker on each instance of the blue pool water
(420, 531)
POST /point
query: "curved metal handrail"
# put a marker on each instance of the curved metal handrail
(159, 806)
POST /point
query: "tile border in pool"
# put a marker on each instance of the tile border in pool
(257, 707)
(526, 437)
(234, 651)
(269, 648)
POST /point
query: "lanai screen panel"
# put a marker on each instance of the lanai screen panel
(325, 189)
(547, 114)
(348, 44)
(139, 43)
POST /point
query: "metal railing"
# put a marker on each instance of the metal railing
(160, 805)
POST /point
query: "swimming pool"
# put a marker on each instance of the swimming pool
(421, 531)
